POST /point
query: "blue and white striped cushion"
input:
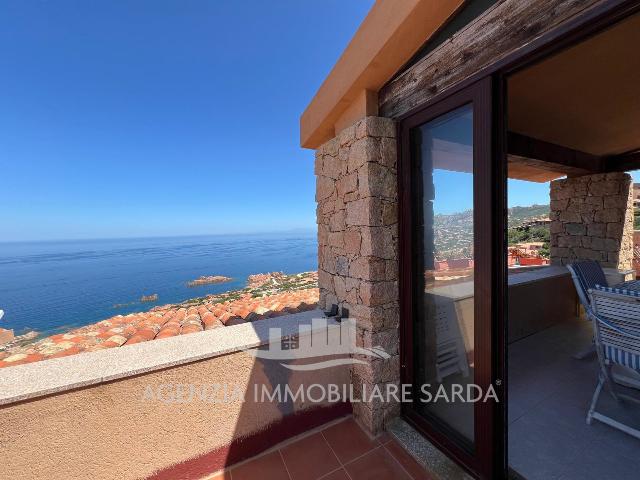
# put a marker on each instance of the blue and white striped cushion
(631, 288)
(589, 274)
(611, 352)
(622, 357)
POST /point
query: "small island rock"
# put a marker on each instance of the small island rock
(207, 280)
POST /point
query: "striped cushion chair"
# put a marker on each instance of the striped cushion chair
(586, 274)
(615, 314)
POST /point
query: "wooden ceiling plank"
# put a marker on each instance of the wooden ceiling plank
(551, 157)
(623, 163)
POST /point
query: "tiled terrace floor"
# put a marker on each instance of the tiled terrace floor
(549, 396)
(341, 451)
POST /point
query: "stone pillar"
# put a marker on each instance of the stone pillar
(357, 217)
(592, 218)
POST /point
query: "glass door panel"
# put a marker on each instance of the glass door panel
(451, 272)
(444, 268)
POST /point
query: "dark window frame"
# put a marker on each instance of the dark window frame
(480, 94)
(493, 462)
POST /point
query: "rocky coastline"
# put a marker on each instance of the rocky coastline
(265, 296)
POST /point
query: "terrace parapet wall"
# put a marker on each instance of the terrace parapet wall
(592, 219)
(182, 407)
(357, 218)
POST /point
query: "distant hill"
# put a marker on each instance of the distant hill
(453, 235)
(453, 232)
(519, 215)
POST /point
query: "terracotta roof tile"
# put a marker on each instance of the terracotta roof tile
(65, 353)
(168, 332)
(171, 320)
(210, 321)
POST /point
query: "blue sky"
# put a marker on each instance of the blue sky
(156, 117)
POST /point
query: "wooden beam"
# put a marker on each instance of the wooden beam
(539, 161)
(553, 157)
(623, 163)
(532, 170)
(504, 28)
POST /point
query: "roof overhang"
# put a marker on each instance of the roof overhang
(387, 39)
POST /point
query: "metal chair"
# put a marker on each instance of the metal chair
(615, 314)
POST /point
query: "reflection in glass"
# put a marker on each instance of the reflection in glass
(442, 151)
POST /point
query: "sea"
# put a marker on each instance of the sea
(51, 287)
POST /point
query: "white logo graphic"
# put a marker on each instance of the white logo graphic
(318, 340)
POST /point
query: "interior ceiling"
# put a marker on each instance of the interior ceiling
(586, 98)
(522, 168)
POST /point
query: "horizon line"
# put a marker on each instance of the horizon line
(144, 237)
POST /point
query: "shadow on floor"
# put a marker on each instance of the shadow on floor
(340, 451)
(549, 396)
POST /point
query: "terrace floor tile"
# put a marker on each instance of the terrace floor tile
(309, 458)
(266, 467)
(348, 440)
(314, 457)
(378, 464)
(337, 475)
(411, 466)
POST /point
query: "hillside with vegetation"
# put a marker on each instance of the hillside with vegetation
(453, 233)
(520, 232)
(519, 215)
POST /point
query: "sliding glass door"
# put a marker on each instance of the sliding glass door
(450, 349)
(444, 325)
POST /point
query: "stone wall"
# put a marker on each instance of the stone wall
(592, 218)
(357, 217)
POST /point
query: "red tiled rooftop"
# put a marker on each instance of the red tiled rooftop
(166, 321)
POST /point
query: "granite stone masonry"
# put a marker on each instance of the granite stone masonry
(592, 218)
(357, 218)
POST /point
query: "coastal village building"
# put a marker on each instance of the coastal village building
(475, 92)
